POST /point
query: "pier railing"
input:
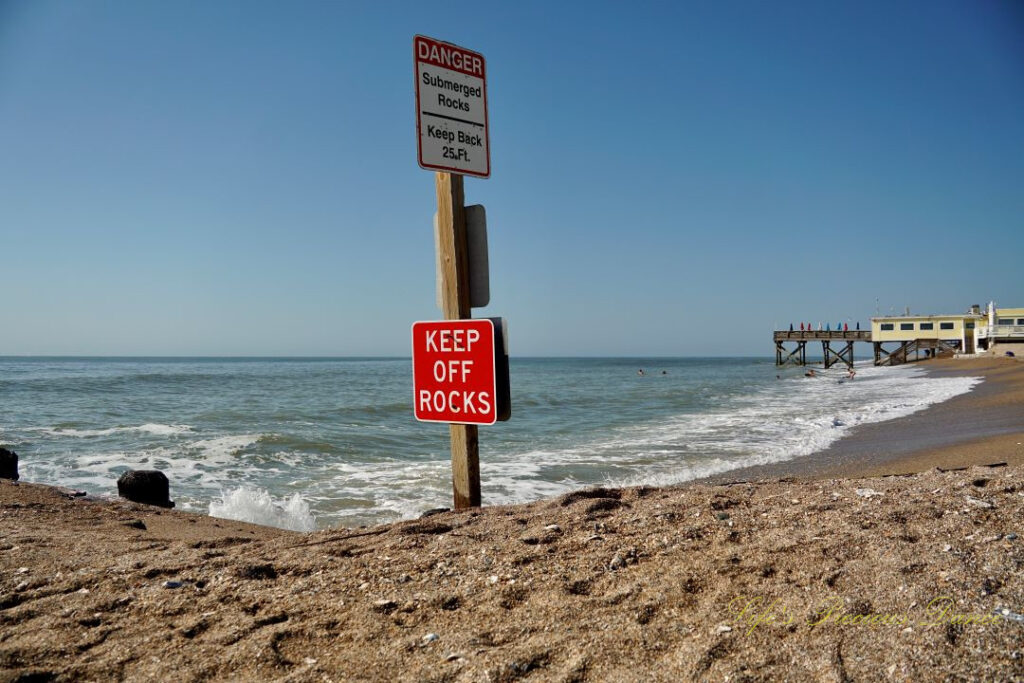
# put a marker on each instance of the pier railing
(823, 335)
(1002, 331)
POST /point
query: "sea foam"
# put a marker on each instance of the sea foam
(222, 448)
(149, 428)
(257, 506)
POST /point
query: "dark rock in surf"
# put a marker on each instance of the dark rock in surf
(145, 486)
(8, 464)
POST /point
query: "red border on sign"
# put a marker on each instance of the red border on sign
(416, 77)
(450, 46)
(494, 368)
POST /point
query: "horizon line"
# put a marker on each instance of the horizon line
(339, 357)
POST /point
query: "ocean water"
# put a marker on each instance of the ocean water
(314, 443)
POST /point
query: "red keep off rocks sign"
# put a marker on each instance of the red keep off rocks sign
(453, 368)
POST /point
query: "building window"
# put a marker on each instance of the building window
(927, 326)
(1004, 321)
(906, 326)
(1020, 321)
(948, 326)
(887, 327)
(970, 326)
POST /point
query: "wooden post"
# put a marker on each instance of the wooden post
(451, 220)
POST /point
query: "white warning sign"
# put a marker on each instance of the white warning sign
(451, 108)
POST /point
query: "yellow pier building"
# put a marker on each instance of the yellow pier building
(915, 335)
(935, 335)
(1001, 326)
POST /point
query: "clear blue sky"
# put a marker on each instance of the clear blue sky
(240, 178)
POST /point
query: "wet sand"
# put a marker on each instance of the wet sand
(813, 578)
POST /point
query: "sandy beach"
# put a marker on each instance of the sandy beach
(816, 569)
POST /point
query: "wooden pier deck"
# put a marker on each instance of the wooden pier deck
(814, 335)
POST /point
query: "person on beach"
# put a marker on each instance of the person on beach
(810, 373)
(851, 374)
(640, 372)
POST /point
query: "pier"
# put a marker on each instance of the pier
(798, 356)
(906, 351)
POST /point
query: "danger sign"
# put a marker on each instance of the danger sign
(451, 108)
(453, 367)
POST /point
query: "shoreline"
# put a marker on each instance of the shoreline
(197, 495)
(980, 427)
(989, 426)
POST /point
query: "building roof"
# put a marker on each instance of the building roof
(978, 316)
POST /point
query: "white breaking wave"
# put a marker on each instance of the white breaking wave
(150, 428)
(223, 448)
(257, 506)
